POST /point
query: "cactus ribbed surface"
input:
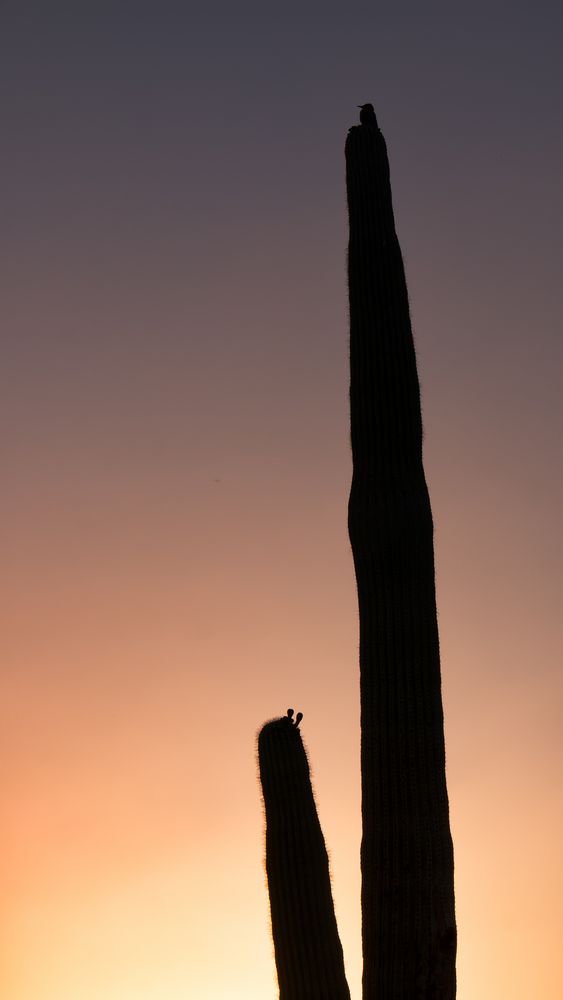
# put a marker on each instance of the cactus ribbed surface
(408, 921)
(308, 952)
(408, 915)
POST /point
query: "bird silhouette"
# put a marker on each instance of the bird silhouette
(367, 114)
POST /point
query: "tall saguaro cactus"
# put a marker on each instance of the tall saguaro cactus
(408, 923)
(408, 918)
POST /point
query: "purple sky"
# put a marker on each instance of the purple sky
(176, 465)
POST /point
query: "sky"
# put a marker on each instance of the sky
(175, 445)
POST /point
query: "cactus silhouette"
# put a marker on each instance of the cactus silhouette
(408, 917)
(308, 952)
(408, 922)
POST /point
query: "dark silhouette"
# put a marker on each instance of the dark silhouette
(297, 719)
(408, 922)
(408, 918)
(307, 947)
(367, 114)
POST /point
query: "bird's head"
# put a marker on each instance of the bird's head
(366, 107)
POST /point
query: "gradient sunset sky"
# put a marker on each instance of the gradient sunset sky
(175, 427)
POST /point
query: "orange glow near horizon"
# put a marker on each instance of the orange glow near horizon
(174, 398)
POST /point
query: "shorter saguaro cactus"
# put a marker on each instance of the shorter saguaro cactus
(309, 958)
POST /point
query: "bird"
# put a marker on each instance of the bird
(367, 114)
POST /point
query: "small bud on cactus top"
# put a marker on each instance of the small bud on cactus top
(298, 717)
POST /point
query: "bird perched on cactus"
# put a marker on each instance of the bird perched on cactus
(367, 115)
